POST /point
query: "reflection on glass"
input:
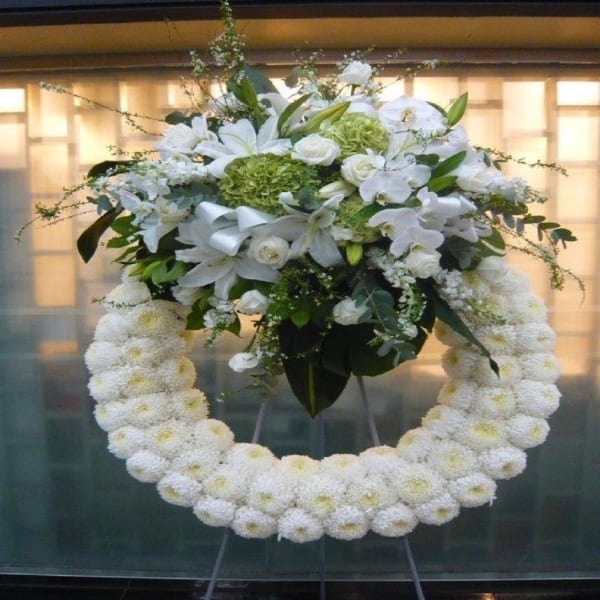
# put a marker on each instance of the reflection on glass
(67, 506)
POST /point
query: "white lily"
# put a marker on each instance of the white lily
(240, 139)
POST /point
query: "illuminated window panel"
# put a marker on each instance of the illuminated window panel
(50, 163)
(55, 237)
(578, 93)
(12, 100)
(574, 352)
(576, 196)
(578, 257)
(484, 126)
(524, 106)
(55, 280)
(578, 136)
(13, 153)
(530, 149)
(484, 90)
(49, 113)
(441, 90)
(96, 131)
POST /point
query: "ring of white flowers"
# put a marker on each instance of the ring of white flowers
(477, 432)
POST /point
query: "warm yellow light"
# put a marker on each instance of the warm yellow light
(12, 100)
(578, 93)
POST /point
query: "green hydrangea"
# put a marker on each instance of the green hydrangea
(357, 132)
(347, 217)
(258, 180)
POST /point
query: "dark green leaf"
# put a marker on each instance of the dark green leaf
(124, 225)
(285, 116)
(562, 234)
(530, 219)
(261, 83)
(448, 165)
(446, 314)
(301, 317)
(548, 225)
(102, 168)
(176, 117)
(457, 110)
(195, 319)
(430, 160)
(89, 239)
(441, 183)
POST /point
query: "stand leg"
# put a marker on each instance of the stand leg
(214, 576)
(322, 586)
(377, 441)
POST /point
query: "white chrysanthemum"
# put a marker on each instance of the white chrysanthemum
(178, 489)
(146, 466)
(175, 308)
(147, 351)
(544, 368)
(227, 483)
(147, 320)
(477, 282)
(438, 511)
(105, 386)
(300, 526)
(513, 281)
(271, 494)
(417, 484)
(496, 305)
(498, 339)
(297, 467)
(102, 356)
(177, 373)
(509, 371)
(126, 295)
(371, 494)
(214, 434)
(416, 444)
(189, 406)
(527, 432)
(139, 381)
(197, 463)
(381, 460)
(169, 438)
(443, 420)
(321, 494)
(214, 511)
(147, 410)
(395, 521)
(250, 457)
(126, 441)
(112, 328)
(111, 415)
(460, 363)
(251, 523)
(526, 308)
(346, 467)
(536, 399)
(535, 337)
(472, 490)
(451, 459)
(448, 336)
(481, 433)
(458, 393)
(504, 462)
(347, 523)
(494, 402)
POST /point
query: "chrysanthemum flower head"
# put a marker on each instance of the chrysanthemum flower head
(475, 489)
(527, 432)
(438, 511)
(189, 405)
(179, 489)
(300, 526)
(536, 399)
(126, 441)
(101, 356)
(251, 523)
(451, 459)
(458, 393)
(197, 463)
(417, 484)
(214, 511)
(213, 433)
(146, 466)
(271, 494)
(126, 295)
(347, 523)
(394, 521)
(504, 462)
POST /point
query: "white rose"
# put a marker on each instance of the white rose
(243, 361)
(253, 302)
(356, 73)
(316, 150)
(423, 264)
(492, 268)
(359, 167)
(478, 178)
(346, 312)
(271, 250)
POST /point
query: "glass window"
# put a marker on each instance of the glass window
(69, 507)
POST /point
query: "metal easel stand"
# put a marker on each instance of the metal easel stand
(321, 448)
(377, 441)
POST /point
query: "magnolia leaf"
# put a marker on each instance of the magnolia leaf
(88, 241)
(457, 110)
(315, 386)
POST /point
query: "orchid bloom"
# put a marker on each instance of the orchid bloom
(240, 139)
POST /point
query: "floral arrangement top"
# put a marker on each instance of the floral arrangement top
(341, 222)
